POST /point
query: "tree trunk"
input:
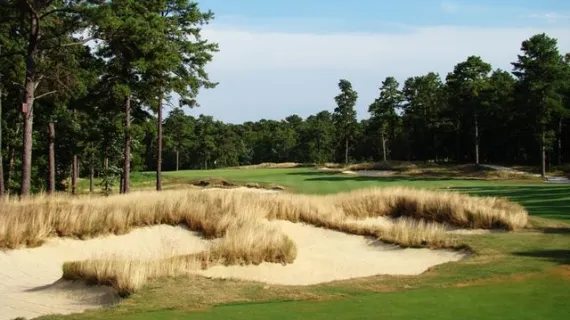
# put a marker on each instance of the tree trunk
(91, 175)
(26, 179)
(11, 165)
(384, 147)
(51, 158)
(476, 140)
(127, 156)
(346, 151)
(28, 106)
(458, 141)
(74, 168)
(177, 159)
(106, 168)
(435, 148)
(543, 154)
(159, 143)
(559, 160)
(2, 187)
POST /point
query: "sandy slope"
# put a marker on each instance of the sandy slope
(30, 282)
(325, 255)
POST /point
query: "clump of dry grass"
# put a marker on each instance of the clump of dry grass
(237, 221)
(31, 221)
(246, 241)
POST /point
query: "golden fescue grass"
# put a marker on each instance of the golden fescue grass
(237, 221)
(242, 244)
(31, 221)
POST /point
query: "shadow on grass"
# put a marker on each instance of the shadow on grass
(395, 178)
(547, 201)
(556, 230)
(556, 256)
(313, 173)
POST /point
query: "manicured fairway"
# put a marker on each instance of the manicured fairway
(541, 199)
(538, 298)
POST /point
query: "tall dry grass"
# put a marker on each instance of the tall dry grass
(31, 221)
(252, 243)
(237, 221)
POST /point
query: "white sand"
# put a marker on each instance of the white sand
(30, 283)
(325, 255)
(370, 173)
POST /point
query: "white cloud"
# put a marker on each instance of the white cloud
(275, 74)
(550, 17)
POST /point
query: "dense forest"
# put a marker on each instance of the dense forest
(83, 86)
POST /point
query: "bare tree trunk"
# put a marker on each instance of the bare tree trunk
(26, 179)
(2, 187)
(91, 174)
(559, 160)
(106, 168)
(346, 151)
(435, 148)
(159, 143)
(177, 159)
(476, 139)
(457, 141)
(28, 106)
(384, 147)
(51, 157)
(74, 168)
(543, 154)
(127, 156)
(11, 165)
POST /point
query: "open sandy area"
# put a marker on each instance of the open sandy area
(31, 285)
(325, 255)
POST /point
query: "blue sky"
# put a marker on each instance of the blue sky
(285, 57)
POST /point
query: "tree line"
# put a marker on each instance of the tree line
(83, 85)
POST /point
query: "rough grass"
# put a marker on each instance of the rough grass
(237, 220)
(430, 169)
(31, 221)
(253, 243)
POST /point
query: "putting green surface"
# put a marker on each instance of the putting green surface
(521, 275)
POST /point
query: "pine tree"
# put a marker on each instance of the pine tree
(344, 116)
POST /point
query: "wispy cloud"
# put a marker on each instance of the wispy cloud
(550, 17)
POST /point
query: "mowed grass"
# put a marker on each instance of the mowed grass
(522, 275)
(551, 201)
(536, 298)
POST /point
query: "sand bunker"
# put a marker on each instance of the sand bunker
(370, 173)
(30, 283)
(325, 255)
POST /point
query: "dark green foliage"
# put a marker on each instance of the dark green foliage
(152, 53)
(344, 116)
